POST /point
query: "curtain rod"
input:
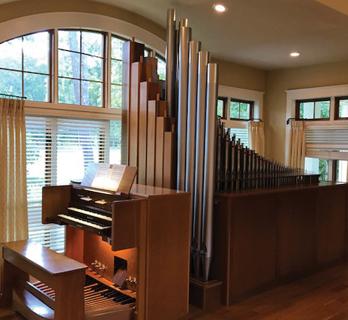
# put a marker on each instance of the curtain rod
(289, 119)
(13, 96)
(256, 119)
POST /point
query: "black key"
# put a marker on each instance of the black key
(121, 298)
(128, 301)
(99, 287)
(105, 293)
(112, 295)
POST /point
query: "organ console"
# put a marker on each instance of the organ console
(126, 256)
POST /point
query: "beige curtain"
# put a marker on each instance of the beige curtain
(297, 145)
(13, 194)
(257, 137)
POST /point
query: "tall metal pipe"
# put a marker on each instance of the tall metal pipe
(171, 61)
(185, 34)
(194, 47)
(209, 168)
(203, 58)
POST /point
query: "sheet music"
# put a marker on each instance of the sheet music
(104, 176)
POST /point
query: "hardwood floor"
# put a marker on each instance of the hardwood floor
(323, 296)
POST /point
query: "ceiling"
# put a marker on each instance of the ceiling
(259, 33)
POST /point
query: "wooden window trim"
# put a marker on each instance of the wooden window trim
(297, 109)
(251, 109)
(337, 107)
(224, 108)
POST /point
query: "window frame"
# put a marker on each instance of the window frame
(315, 100)
(55, 108)
(50, 64)
(251, 109)
(109, 70)
(105, 68)
(224, 108)
(337, 107)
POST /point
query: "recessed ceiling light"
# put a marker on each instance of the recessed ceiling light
(295, 54)
(219, 7)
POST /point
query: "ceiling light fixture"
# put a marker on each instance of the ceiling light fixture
(294, 54)
(219, 7)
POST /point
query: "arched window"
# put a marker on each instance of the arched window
(67, 66)
(68, 71)
(25, 66)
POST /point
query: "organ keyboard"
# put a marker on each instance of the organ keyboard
(143, 235)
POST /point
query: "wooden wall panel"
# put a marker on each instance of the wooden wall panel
(253, 253)
(296, 232)
(168, 259)
(331, 220)
(292, 231)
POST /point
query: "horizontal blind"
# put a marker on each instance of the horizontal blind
(242, 134)
(58, 151)
(326, 139)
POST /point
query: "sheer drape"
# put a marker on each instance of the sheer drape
(297, 145)
(257, 137)
(13, 194)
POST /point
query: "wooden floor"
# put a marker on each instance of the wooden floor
(323, 296)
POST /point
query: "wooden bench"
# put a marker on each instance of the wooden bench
(64, 275)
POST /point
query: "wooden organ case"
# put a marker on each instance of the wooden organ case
(145, 233)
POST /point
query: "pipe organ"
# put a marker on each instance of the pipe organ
(239, 168)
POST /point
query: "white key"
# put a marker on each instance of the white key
(92, 214)
(82, 222)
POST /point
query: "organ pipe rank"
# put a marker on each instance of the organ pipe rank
(239, 168)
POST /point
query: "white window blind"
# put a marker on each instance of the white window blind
(58, 151)
(242, 134)
(326, 139)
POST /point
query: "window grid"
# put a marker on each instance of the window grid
(81, 79)
(341, 108)
(324, 114)
(221, 107)
(240, 117)
(22, 70)
(54, 77)
(117, 85)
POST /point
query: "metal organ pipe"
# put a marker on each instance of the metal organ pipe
(209, 169)
(194, 47)
(203, 58)
(193, 102)
(184, 38)
(171, 61)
